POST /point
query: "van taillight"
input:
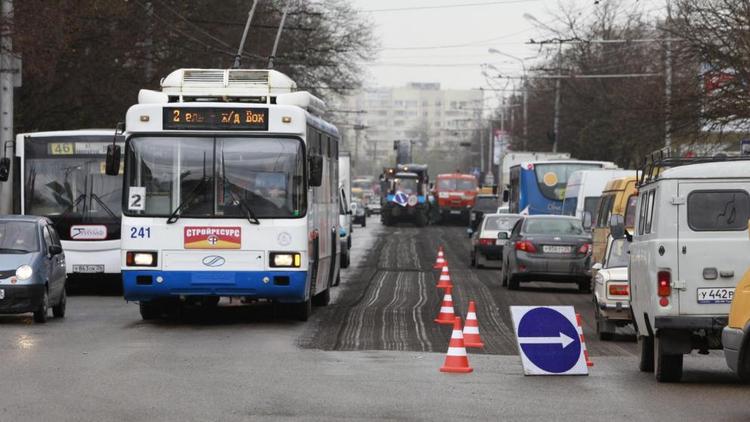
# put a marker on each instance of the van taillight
(526, 246)
(664, 283)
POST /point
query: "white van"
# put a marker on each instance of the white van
(690, 247)
(584, 189)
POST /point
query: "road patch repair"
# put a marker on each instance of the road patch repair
(549, 340)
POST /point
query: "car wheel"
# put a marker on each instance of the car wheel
(150, 310)
(40, 315)
(604, 329)
(513, 282)
(364, 222)
(59, 310)
(503, 277)
(646, 344)
(667, 368)
(473, 258)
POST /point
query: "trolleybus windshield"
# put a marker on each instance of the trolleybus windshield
(215, 177)
(64, 179)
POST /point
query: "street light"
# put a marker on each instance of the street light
(525, 92)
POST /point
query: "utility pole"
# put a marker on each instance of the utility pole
(668, 83)
(238, 56)
(558, 83)
(8, 65)
(525, 112)
(278, 35)
(149, 43)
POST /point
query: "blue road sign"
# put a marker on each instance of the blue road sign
(548, 340)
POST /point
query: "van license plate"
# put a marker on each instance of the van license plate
(715, 295)
(88, 268)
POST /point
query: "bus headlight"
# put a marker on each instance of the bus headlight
(24, 272)
(140, 259)
(285, 259)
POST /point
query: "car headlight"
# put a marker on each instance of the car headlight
(140, 259)
(285, 259)
(24, 272)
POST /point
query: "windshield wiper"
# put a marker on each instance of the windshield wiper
(16, 251)
(104, 206)
(249, 214)
(175, 215)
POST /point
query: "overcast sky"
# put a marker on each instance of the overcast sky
(438, 42)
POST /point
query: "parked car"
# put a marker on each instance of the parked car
(484, 204)
(547, 248)
(735, 337)
(32, 267)
(485, 245)
(612, 290)
(359, 215)
(690, 247)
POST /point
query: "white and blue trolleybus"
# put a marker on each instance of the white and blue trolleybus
(230, 190)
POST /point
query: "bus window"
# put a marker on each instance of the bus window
(553, 177)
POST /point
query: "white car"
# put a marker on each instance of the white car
(612, 290)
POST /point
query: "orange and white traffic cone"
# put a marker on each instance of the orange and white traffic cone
(456, 360)
(440, 261)
(444, 281)
(583, 342)
(471, 329)
(446, 315)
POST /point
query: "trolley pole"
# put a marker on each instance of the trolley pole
(558, 83)
(278, 36)
(238, 56)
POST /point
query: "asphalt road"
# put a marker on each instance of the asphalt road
(373, 354)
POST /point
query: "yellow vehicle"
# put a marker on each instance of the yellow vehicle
(618, 198)
(734, 338)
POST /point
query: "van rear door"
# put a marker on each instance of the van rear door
(713, 244)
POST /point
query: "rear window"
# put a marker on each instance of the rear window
(630, 211)
(591, 206)
(557, 226)
(500, 223)
(486, 203)
(724, 210)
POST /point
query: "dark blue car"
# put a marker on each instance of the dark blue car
(32, 267)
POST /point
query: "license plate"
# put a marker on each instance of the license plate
(2, 293)
(556, 249)
(455, 212)
(499, 242)
(715, 295)
(88, 268)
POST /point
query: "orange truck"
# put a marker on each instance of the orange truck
(455, 194)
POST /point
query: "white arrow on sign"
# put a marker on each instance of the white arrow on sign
(563, 340)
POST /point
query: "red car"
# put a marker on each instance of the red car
(455, 194)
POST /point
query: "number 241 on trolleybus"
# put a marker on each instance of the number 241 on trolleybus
(230, 191)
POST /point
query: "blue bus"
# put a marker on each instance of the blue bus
(539, 187)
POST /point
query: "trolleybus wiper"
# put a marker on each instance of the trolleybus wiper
(176, 213)
(104, 206)
(249, 214)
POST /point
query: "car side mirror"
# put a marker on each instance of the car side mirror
(316, 170)
(469, 232)
(112, 164)
(54, 249)
(506, 195)
(597, 266)
(503, 236)
(617, 226)
(587, 221)
(4, 169)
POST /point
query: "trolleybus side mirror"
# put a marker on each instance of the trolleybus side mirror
(4, 169)
(316, 170)
(112, 165)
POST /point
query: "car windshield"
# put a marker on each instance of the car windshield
(18, 237)
(406, 185)
(486, 203)
(216, 177)
(457, 184)
(618, 254)
(553, 226)
(500, 223)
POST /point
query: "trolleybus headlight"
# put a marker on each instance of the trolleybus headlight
(141, 259)
(285, 259)
(24, 272)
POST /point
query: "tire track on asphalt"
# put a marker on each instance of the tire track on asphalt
(388, 318)
(350, 338)
(416, 312)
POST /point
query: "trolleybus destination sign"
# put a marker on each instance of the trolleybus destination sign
(218, 118)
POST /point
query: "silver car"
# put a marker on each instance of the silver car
(32, 267)
(547, 248)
